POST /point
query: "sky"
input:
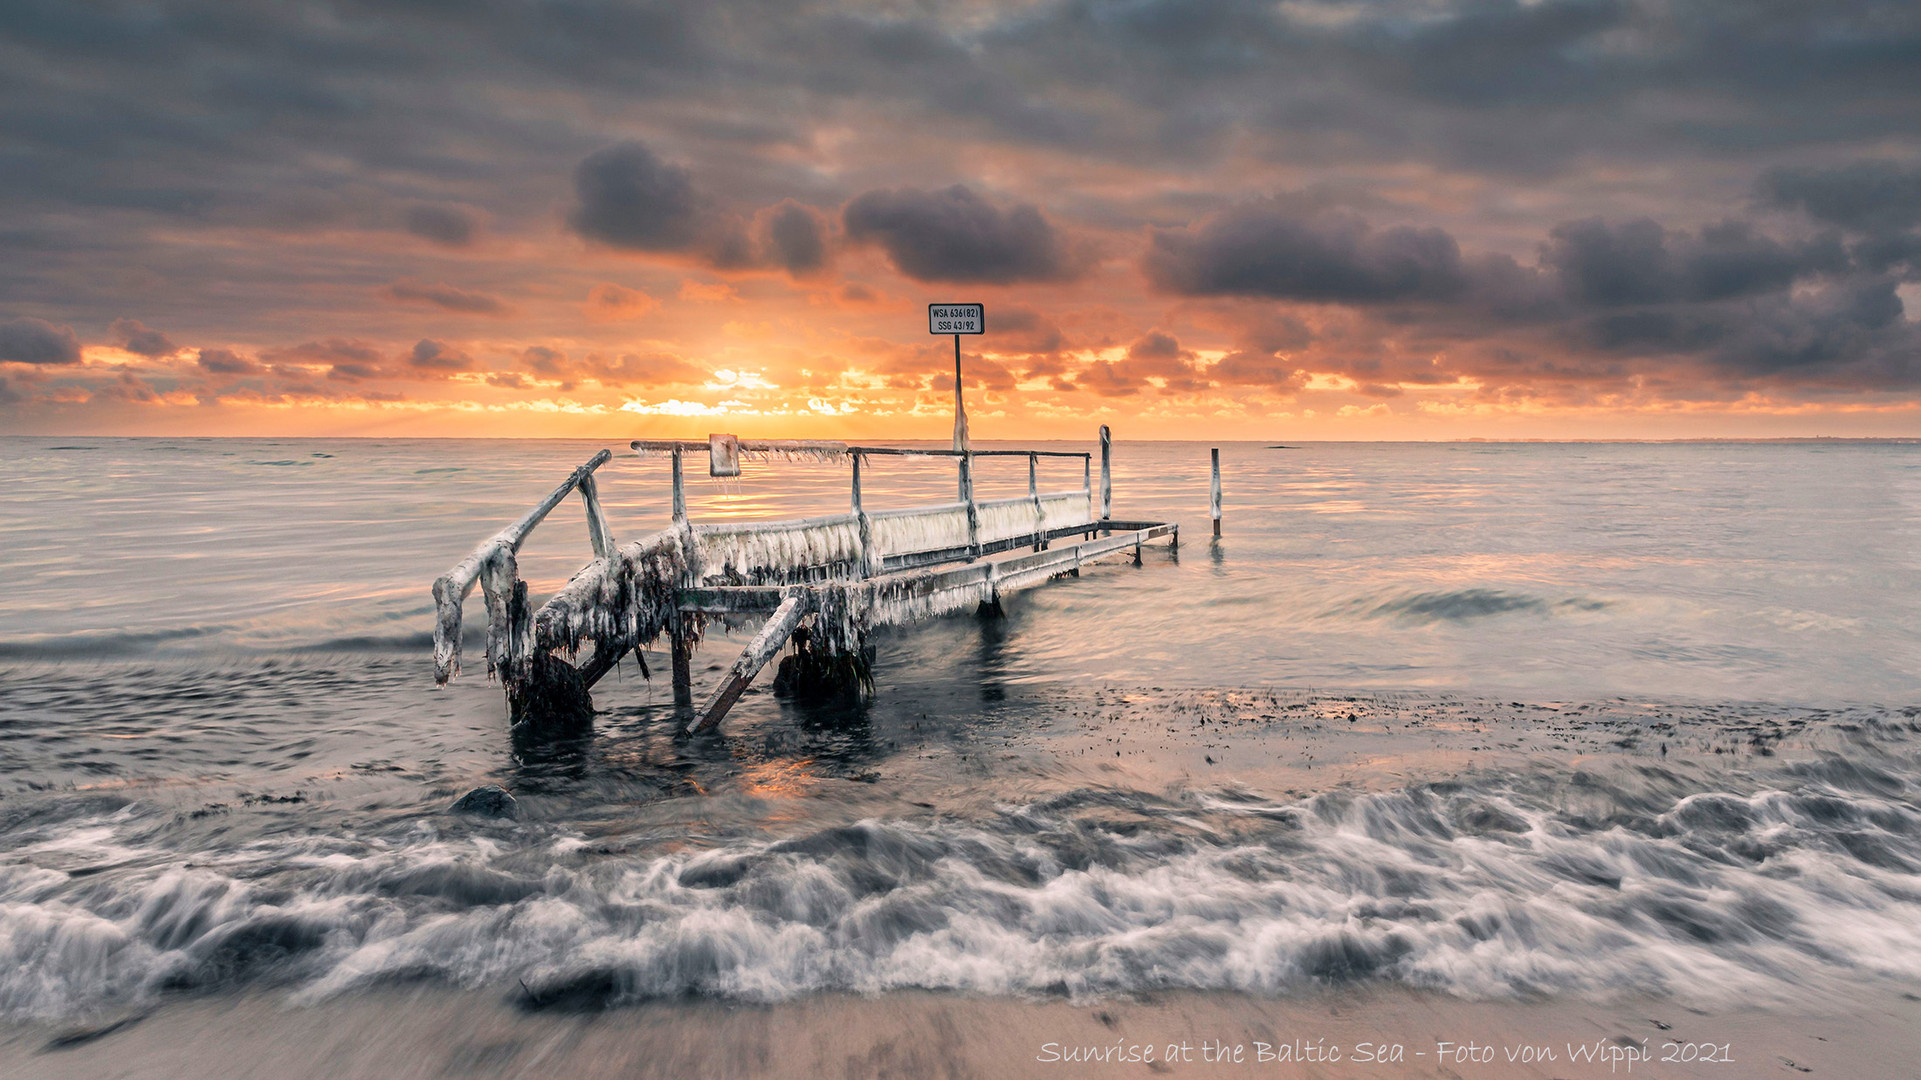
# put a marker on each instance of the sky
(1391, 219)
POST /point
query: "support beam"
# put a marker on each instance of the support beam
(772, 636)
(682, 643)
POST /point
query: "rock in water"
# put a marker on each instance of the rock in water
(489, 801)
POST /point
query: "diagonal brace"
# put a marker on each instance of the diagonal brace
(774, 634)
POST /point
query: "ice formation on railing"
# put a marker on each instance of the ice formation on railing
(769, 553)
(845, 611)
(1002, 519)
(628, 598)
(934, 528)
(1064, 509)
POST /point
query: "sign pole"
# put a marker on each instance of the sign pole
(957, 319)
(960, 407)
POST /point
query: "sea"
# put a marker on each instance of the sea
(1497, 721)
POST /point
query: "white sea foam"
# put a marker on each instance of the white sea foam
(1720, 898)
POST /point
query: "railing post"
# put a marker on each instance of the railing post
(1034, 493)
(1214, 505)
(597, 530)
(1107, 475)
(967, 497)
(869, 560)
(680, 635)
(680, 492)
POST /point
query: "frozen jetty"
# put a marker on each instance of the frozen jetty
(822, 582)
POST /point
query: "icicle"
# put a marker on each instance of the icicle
(938, 528)
(627, 598)
(776, 552)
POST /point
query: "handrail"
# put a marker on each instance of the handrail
(823, 446)
(452, 587)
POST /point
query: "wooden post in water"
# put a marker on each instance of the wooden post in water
(679, 633)
(1214, 493)
(1107, 475)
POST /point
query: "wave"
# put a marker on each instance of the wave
(101, 645)
(1462, 605)
(1494, 890)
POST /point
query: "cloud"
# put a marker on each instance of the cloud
(1255, 369)
(1267, 249)
(227, 362)
(797, 238)
(34, 341)
(448, 226)
(1866, 196)
(447, 298)
(607, 302)
(1640, 262)
(954, 235)
(627, 197)
(136, 338)
(431, 355)
(1020, 328)
(651, 369)
(348, 371)
(329, 351)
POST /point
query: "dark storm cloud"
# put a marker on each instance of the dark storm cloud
(955, 235)
(136, 338)
(1268, 250)
(34, 341)
(1865, 196)
(450, 226)
(627, 197)
(181, 143)
(1640, 262)
(797, 238)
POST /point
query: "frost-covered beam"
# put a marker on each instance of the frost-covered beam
(598, 532)
(452, 587)
(779, 627)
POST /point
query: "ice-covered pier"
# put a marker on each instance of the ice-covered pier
(822, 583)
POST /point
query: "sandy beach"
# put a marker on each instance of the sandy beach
(432, 1033)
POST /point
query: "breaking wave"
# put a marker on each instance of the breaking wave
(1517, 887)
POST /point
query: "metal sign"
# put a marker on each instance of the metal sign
(957, 318)
(723, 455)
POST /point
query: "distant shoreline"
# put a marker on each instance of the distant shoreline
(880, 440)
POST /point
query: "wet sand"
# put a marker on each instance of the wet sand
(401, 1034)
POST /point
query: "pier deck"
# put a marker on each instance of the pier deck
(839, 576)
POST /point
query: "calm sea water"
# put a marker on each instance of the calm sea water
(1493, 719)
